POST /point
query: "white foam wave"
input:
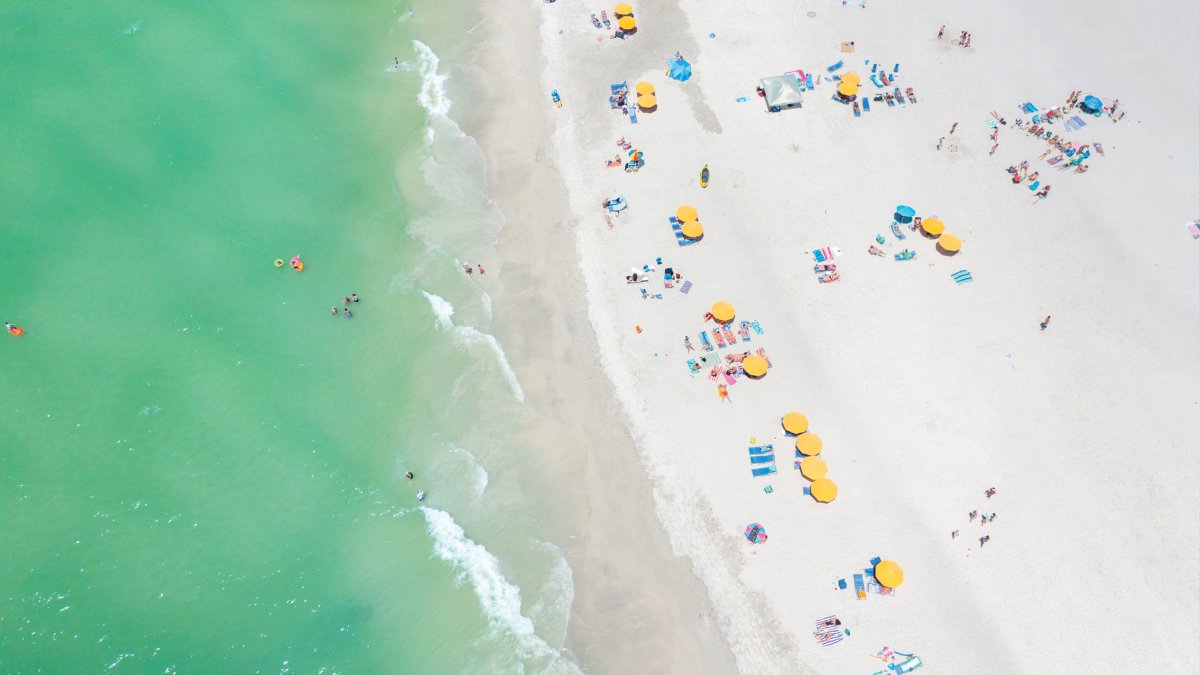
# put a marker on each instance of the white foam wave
(469, 335)
(480, 483)
(432, 95)
(499, 598)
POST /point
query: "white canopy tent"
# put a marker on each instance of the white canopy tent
(782, 92)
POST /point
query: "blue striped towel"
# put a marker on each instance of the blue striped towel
(961, 277)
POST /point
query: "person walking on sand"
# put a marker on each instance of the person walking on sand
(941, 31)
(687, 342)
(723, 393)
(939, 146)
(1045, 322)
(467, 268)
(972, 515)
(984, 540)
(968, 40)
(480, 269)
(989, 492)
(954, 534)
(953, 127)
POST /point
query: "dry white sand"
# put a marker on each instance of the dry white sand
(926, 393)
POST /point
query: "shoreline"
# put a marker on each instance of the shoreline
(637, 605)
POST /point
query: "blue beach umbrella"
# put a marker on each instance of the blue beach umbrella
(680, 70)
(755, 533)
(905, 214)
(1092, 104)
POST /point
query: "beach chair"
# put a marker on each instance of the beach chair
(860, 588)
(762, 459)
(808, 82)
(687, 286)
(909, 665)
(704, 341)
(1029, 107)
(877, 82)
(899, 97)
(905, 255)
(744, 332)
(763, 471)
(897, 231)
(841, 584)
(911, 96)
(866, 101)
(834, 67)
(762, 449)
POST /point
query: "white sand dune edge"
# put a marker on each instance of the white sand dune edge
(925, 392)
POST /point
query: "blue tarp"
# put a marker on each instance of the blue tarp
(680, 70)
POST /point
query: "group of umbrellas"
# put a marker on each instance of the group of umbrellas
(848, 88)
(646, 100)
(723, 313)
(689, 221)
(625, 20)
(812, 467)
(932, 228)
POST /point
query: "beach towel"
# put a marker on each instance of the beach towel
(762, 449)
(1069, 126)
(808, 81)
(1194, 229)
(961, 277)
(762, 459)
(834, 67)
(687, 286)
(806, 490)
(729, 336)
(758, 330)
(763, 471)
(744, 332)
(730, 379)
(704, 341)
(823, 254)
(860, 588)
(1028, 107)
(717, 336)
(679, 238)
(842, 584)
(876, 81)
(991, 123)
(857, 110)
(693, 367)
(866, 101)
(1078, 122)
(831, 639)
(741, 99)
(710, 360)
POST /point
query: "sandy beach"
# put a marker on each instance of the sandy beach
(925, 392)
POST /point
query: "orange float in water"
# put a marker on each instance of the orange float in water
(297, 264)
(14, 330)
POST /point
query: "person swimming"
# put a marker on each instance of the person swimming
(420, 495)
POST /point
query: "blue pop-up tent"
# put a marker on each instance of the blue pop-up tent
(679, 69)
(1092, 105)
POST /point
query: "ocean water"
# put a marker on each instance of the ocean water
(203, 470)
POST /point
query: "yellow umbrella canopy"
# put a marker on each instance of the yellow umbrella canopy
(933, 227)
(847, 89)
(627, 23)
(852, 78)
(692, 230)
(825, 490)
(889, 574)
(624, 9)
(794, 423)
(754, 365)
(722, 312)
(686, 213)
(647, 101)
(950, 243)
(644, 87)
(813, 468)
(808, 444)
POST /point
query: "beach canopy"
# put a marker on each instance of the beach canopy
(813, 468)
(781, 92)
(847, 89)
(627, 23)
(692, 229)
(647, 101)
(933, 227)
(755, 533)
(905, 212)
(679, 69)
(754, 365)
(644, 87)
(722, 312)
(852, 78)
(624, 9)
(1092, 104)
(889, 574)
(686, 212)
(825, 490)
(808, 444)
(795, 424)
(949, 243)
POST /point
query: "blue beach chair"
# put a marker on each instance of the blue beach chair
(763, 471)
(835, 66)
(761, 449)
(762, 459)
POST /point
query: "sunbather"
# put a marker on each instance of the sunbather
(875, 250)
(736, 358)
(723, 393)
(761, 351)
(829, 278)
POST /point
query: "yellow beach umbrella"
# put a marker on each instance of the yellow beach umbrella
(624, 9)
(808, 444)
(847, 89)
(647, 101)
(722, 312)
(794, 423)
(692, 230)
(933, 227)
(627, 23)
(852, 78)
(754, 365)
(889, 574)
(686, 213)
(644, 87)
(949, 243)
(813, 468)
(825, 490)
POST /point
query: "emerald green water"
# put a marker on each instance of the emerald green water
(202, 469)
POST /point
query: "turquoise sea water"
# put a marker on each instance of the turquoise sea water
(203, 469)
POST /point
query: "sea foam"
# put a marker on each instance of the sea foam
(499, 598)
(443, 313)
